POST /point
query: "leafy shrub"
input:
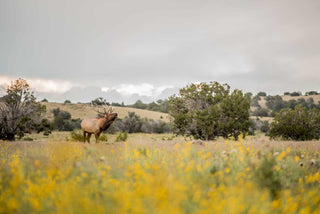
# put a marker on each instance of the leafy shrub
(76, 135)
(99, 101)
(19, 111)
(208, 110)
(311, 93)
(133, 123)
(267, 177)
(62, 121)
(27, 139)
(152, 126)
(122, 136)
(295, 94)
(262, 94)
(103, 137)
(261, 112)
(297, 124)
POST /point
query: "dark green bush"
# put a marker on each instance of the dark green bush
(297, 124)
(122, 136)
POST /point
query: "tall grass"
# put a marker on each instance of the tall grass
(161, 177)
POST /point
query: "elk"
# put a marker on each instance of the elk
(97, 125)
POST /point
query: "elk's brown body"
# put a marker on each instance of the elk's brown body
(97, 125)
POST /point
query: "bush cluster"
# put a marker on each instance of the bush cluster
(275, 104)
(296, 124)
(77, 135)
(208, 110)
(63, 122)
(133, 123)
(160, 105)
(122, 136)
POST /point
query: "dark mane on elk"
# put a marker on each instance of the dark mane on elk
(97, 125)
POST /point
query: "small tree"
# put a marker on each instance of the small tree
(262, 94)
(206, 111)
(297, 124)
(19, 111)
(235, 115)
(67, 102)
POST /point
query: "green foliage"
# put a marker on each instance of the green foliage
(122, 136)
(295, 94)
(255, 101)
(262, 126)
(297, 124)
(308, 93)
(27, 139)
(133, 123)
(99, 101)
(261, 112)
(62, 121)
(19, 111)
(160, 105)
(45, 126)
(267, 177)
(77, 135)
(67, 102)
(265, 127)
(275, 103)
(208, 110)
(153, 126)
(103, 137)
(249, 95)
(262, 94)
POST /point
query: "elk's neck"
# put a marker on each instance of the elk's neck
(104, 123)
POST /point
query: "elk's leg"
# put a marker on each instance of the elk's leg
(89, 136)
(84, 137)
(97, 137)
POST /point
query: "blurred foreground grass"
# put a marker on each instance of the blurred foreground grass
(148, 174)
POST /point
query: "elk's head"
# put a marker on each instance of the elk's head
(107, 114)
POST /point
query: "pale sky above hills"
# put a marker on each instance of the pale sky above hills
(126, 50)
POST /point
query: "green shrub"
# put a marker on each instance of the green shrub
(103, 137)
(122, 136)
(267, 177)
(208, 110)
(297, 124)
(27, 139)
(77, 135)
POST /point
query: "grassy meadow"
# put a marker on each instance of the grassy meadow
(152, 173)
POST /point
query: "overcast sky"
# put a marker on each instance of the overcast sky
(130, 49)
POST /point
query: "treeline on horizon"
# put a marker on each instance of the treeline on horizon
(274, 103)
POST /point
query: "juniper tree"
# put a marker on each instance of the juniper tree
(19, 111)
(208, 110)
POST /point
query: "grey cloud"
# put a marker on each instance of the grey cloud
(252, 45)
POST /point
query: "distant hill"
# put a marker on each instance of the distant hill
(85, 110)
(316, 99)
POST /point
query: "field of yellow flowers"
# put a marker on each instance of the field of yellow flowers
(160, 176)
